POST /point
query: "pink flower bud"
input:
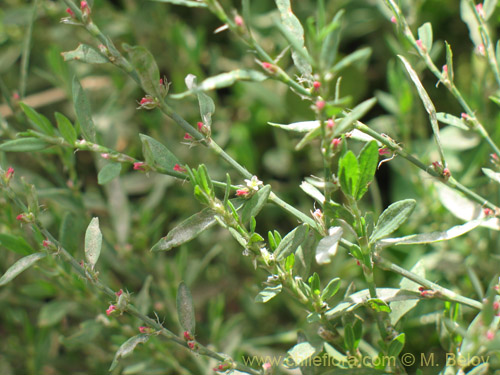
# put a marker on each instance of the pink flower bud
(119, 293)
(384, 151)
(318, 214)
(490, 335)
(320, 104)
(188, 336)
(139, 166)
(9, 174)
(445, 69)
(446, 173)
(191, 345)
(200, 125)
(266, 366)
(188, 137)
(394, 20)
(481, 50)
(488, 212)
(46, 243)
(269, 67)
(70, 12)
(143, 329)
(316, 85)
(161, 81)
(496, 305)
(330, 123)
(110, 309)
(336, 142)
(105, 156)
(145, 101)
(178, 168)
(242, 192)
(238, 20)
(420, 44)
(479, 9)
(464, 116)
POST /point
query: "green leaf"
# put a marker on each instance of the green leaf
(349, 340)
(24, 145)
(207, 106)
(190, 228)
(66, 128)
(489, 7)
(156, 154)
(368, 161)
(186, 3)
(392, 218)
(289, 262)
(425, 35)
(83, 111)
(109, 172)
(446, 118)
(349, 173)
(16, 244)
(310, 136)
(359, 111)
(330, 46)
(38, 120)
(357, 57)
(291, 242)
(127, 348)
(255, 204)
(53, 312)
(331, 289)
(313, 192)
(299, 127)
(20, 266)
(314, 283)
(145, 66)
(294, 33)
(376, 304)
(401, 308)
(267, 293)
(449, 62)
(327, 246)
(300, 353)
(93, 242)
(87, 54)
(426, 100)
(495, 176)
(396, 346)
(185, 309)
(432, 237)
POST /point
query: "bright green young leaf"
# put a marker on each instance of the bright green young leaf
(291, 242)
(109, 172)
(87, 54)
(392, 218)
(357, 57)
(20, 266)
(396, 346)
(145, 66)
(268, 293)
(425, 35)
(331, 289)
(255, 204)
(349, 340)
(128, 347)
(39, 121)
(359, 111)
(187, 230)
(16, 244)
(83, 111)
(66, 128)
(368, 161)
(185, 309)
(330, 46)
(449, 62)
(156, 154)
(93, 242)
(294, 32)
(349, 174)
(378, 305)
(28, 144)
(314, 283)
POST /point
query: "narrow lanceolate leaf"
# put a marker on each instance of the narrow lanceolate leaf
(489, 7)
(83, 111)
(291, 242)
(24, 145)
(39, 121)
(330, 46)
(429, 106)
(66, 128)
(327, 246)
(156, 154)
(207, 106)
(86, 54)
(145, 66)
(415, 239)
(185, 309)
(449, 62)
(359, 111)
(400, 308)
(349, 174)
(127, 348)
(368, 160)
(299, 127)
(186, 3)
(268, 293)
(313, 192)
(425, 35)
(392, 218)
(108, 173)
(21, 265)
(16, 244)
(300, 353)
(295, 31)
(187, 230)
(357, 57)
(93, 242)
(446, 118)
(255, 204)
(331, 289)
(495, 176)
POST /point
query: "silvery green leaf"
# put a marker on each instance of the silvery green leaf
(423, 238)
(87, 54)
(489, 7)
(186, 3)
(392, 218)
(425, 35)
(207, 106)
(20, 266)
(446, 118)
(185, 308)
(93, 242)
(299, 127)
(291, 242)
(127, 348)
(327, 246)
(268, 293)
(495, 176)
(357, 112)
(301, 352)
(312, 192)
(83, 111)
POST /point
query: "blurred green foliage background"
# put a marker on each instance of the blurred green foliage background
(51, 323)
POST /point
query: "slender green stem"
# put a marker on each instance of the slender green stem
(443, 293)
(25, 59)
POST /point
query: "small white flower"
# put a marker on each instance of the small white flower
(254, 183)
